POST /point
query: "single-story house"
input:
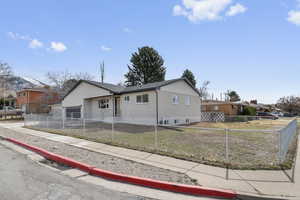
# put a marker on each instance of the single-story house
(167, 102)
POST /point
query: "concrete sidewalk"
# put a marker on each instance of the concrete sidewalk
(261, 183)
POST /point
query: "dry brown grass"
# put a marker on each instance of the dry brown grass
(255, 124)
(247, 150)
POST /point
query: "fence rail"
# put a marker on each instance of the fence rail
(237, 148)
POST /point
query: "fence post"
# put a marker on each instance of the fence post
(227, 153)
(279, 147)
(63, 123)
(112, 129)
(24, 121)
(155, 136)
(47, 122)
(83, 125)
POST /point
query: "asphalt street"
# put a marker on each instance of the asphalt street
(23, 179)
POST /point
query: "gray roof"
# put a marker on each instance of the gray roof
(111, 87)
(117, 89)
(149, 86)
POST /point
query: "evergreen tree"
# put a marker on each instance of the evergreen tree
(233, 96)
(189, 76)
(147, 66)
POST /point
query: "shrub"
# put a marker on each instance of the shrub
(249, 111)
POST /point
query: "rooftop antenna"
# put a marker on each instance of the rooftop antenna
(102, 70)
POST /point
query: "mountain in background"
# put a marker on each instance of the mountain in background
(16, 83)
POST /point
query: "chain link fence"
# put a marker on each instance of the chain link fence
(229, 148)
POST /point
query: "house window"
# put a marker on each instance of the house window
(126, 98)
(216, 108)
(188, 100)
(103, 103)
(175, 100)
(142, 98)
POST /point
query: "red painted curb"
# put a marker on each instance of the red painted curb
(54, 157)
(179, 188)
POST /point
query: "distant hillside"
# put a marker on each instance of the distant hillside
(17, 83)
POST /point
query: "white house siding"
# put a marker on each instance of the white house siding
(133, 112)
(93, 112)
(81, 92)
(179, 87)
(179, 112)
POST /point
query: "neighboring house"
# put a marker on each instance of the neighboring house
(172, 101)
(56, 110)
(36, 100)
(226, 107)
(11, 100)
(10, 97)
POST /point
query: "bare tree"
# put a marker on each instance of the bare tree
(5, 75)
(290, 104)
(64, 81)
(203, 90)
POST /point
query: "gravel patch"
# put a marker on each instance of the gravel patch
(102, 161)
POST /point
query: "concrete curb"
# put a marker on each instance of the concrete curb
(173, 187)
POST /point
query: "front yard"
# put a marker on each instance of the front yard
(247, 150)
(255, 124)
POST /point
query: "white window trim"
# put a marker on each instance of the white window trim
(216, 108)
(127, 101)
(176, 102)
(141, 103)
(187, 103)
(108, 103)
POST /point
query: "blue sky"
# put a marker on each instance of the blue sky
(248, 46)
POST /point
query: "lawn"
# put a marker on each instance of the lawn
(255, 124)
(247, 150)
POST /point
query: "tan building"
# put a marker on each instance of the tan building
(169, 102)
(228, 108)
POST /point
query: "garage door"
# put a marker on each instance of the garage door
(73, 112)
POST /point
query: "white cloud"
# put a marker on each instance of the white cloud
(236, 9)
(105, 48)
(17, 36)
(199, 10)
(127, 30)
(203, 10)
(58, 46)
(35, 44)
(294, 17)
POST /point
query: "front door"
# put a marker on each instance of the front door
(117, 107)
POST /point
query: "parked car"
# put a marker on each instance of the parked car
(266, 115)
(10, 111)
(278, 114)
(288, 115)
